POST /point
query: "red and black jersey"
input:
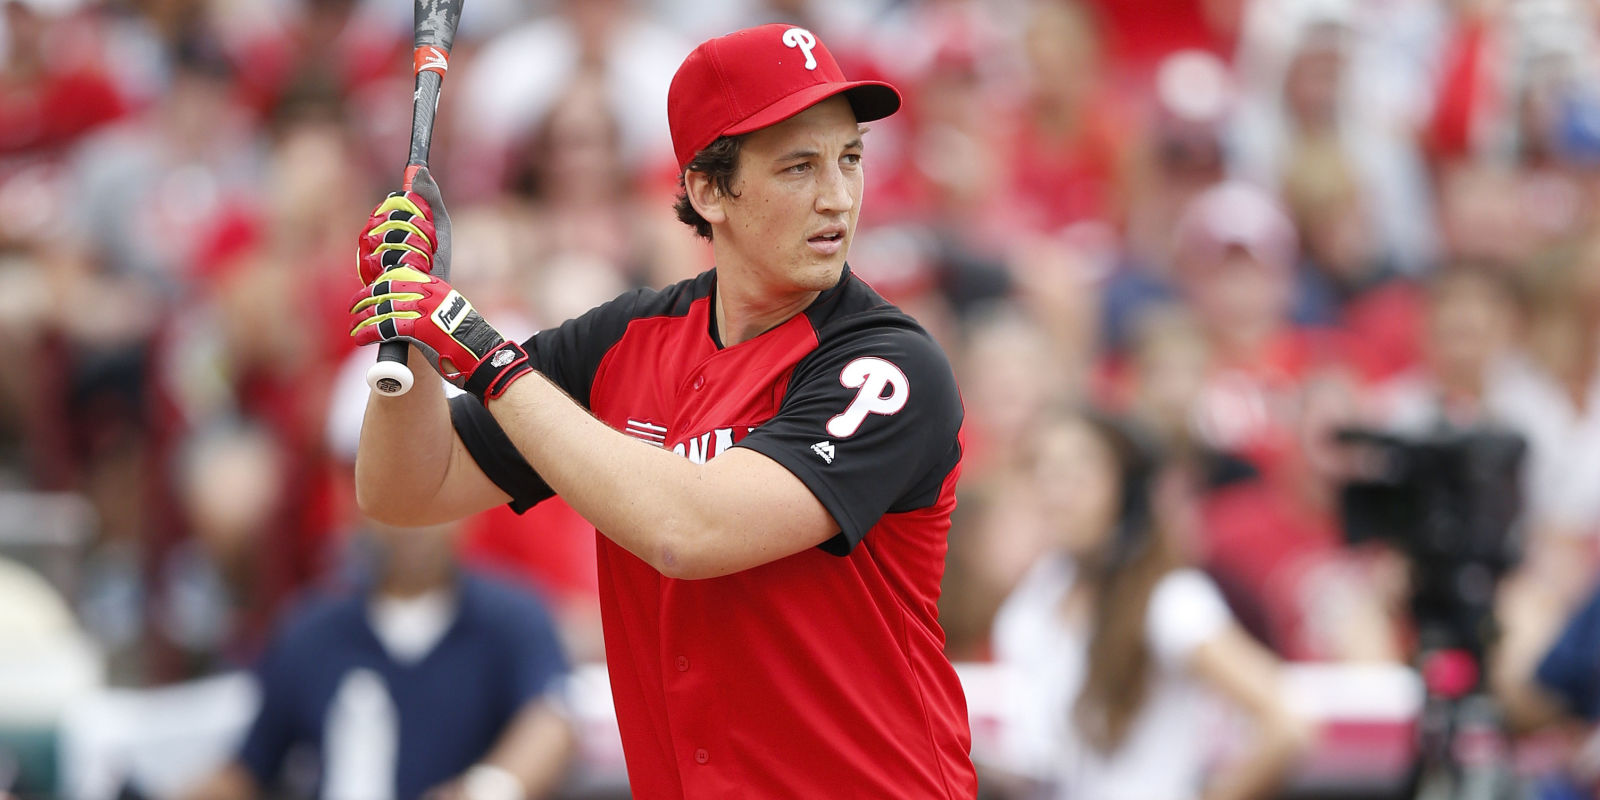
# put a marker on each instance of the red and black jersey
(817, 675)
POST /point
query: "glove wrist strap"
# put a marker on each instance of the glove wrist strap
(497, 370)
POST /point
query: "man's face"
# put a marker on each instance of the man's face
(798, 194)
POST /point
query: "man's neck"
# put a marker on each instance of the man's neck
(743, 313)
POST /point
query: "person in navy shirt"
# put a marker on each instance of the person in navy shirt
(426, 681)
(1559, 693)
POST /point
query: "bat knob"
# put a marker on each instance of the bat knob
(392, 378)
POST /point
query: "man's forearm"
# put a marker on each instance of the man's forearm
(616, 483)
(405, 447)
(685, 519)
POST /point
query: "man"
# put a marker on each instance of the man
(771, 458)
(428, 683)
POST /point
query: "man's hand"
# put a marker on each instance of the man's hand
(408, 229)
(408, 305)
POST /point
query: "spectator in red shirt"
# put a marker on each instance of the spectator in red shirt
(1067, 157)
(1273, 541)
(1275, 546)
(1235, 251)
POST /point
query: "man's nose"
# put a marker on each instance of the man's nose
(834, 194)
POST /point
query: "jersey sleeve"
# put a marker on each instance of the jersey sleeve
(499, 459)
(568, 355)
(869, 423)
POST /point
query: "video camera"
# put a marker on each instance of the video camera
(1451, 502)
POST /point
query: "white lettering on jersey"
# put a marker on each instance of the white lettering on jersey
(706, 446)
(872, 376)
(722, 439)
(803, 39)
(646, 432)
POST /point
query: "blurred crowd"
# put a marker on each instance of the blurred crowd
(1241, 224)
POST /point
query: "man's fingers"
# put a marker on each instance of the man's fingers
(387, 288)
(396, 226)
(402, 228)
(403, 273)
(396, 236)
(403, 218)
(366, 329)
(394, 302)
(402, 222)
(405, 201)
(373, 265)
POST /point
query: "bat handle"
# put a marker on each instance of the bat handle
(390, 375)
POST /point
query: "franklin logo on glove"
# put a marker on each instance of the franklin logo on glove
(451, 311)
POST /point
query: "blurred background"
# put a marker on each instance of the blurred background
(1240, 225)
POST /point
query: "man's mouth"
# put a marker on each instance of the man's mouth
(827, 243)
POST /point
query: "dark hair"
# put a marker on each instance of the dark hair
(720, 162)
(1122, 577)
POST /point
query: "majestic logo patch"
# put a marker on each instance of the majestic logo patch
(451, 311)
(824, 450)
(884, 390)
(803, 39)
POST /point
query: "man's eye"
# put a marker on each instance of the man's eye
(852, 159)
(798, 168)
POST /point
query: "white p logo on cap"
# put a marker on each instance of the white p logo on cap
(803, 39)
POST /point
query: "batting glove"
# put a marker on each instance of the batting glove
(407, 305)
(408, 229)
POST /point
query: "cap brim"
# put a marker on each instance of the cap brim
(869, 100)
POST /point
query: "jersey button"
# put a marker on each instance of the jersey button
(699, 382)
(701, 756)
(683, 663)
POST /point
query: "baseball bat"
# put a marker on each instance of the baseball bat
(433, 31)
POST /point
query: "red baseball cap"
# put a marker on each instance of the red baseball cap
(757, 77)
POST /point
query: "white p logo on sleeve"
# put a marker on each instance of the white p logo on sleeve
(883, 390)
(803, 39)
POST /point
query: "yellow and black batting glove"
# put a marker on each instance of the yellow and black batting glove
(411, 306)
(408, 229)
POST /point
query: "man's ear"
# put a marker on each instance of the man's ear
(705, 197)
